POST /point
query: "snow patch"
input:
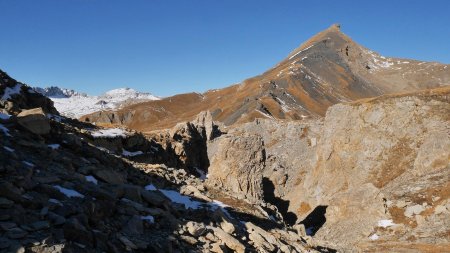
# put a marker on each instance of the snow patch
(150, 187)
(69, 192)
(176, 197)
(91, 179)
(55, 201)
(11, 91)
(148, 218)
(4, 116)
(385, 223)
(215, 204)
(265, 114)
(303, 50)
(53, 146)
(130, 153)
(4, 130)
(374, 237)
(28, 164)
(8, 149)
(109, 133)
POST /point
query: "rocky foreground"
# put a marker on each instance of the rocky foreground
(372, 175)
(67, 186)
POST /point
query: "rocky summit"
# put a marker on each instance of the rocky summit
(352, 154)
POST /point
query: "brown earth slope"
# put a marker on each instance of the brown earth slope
(327, 69)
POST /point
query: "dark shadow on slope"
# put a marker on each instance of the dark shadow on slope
(315, 220)
(269, 196)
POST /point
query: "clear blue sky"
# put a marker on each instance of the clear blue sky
(168, 47)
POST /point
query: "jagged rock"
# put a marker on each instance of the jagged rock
(228, 240)
(261, 238)
(228, 227)
(237, 165)
(34, 120)
(204, 123)
(189, 239)
(195, 229)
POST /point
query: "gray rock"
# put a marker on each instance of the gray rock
(228, 240)
(16, 233)
(40, 225)
(195, 229)
(34, 120)
(110, 176)
(154, 198)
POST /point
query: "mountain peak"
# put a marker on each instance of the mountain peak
(335, 26)
(332, 33)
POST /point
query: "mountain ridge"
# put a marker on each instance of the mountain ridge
(74, 104)
(327, 69)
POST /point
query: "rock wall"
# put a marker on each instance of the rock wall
(246, 155)
(374, 160)
(377, 153)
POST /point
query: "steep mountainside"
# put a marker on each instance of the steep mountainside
(74, 104)
(327, 69)
(67, 186)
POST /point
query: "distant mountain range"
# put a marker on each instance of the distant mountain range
(327, 69)
(73, 104)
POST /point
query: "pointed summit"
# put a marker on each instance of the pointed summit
(332, 33)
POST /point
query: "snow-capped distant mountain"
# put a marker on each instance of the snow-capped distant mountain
(56, 92)
(74, 104)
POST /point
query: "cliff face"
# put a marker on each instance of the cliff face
(374, 175)
(327, 69)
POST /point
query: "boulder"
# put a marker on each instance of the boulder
(110, 176)
(237, 166)
(195, 229)
(228, 240)
(35, 121)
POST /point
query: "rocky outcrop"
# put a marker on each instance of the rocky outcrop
(377, 168)
(376, 153)
(16, 96)
(34, 120)
(246, 156)
(61, 192)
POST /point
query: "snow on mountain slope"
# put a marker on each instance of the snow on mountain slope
(73, 104)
